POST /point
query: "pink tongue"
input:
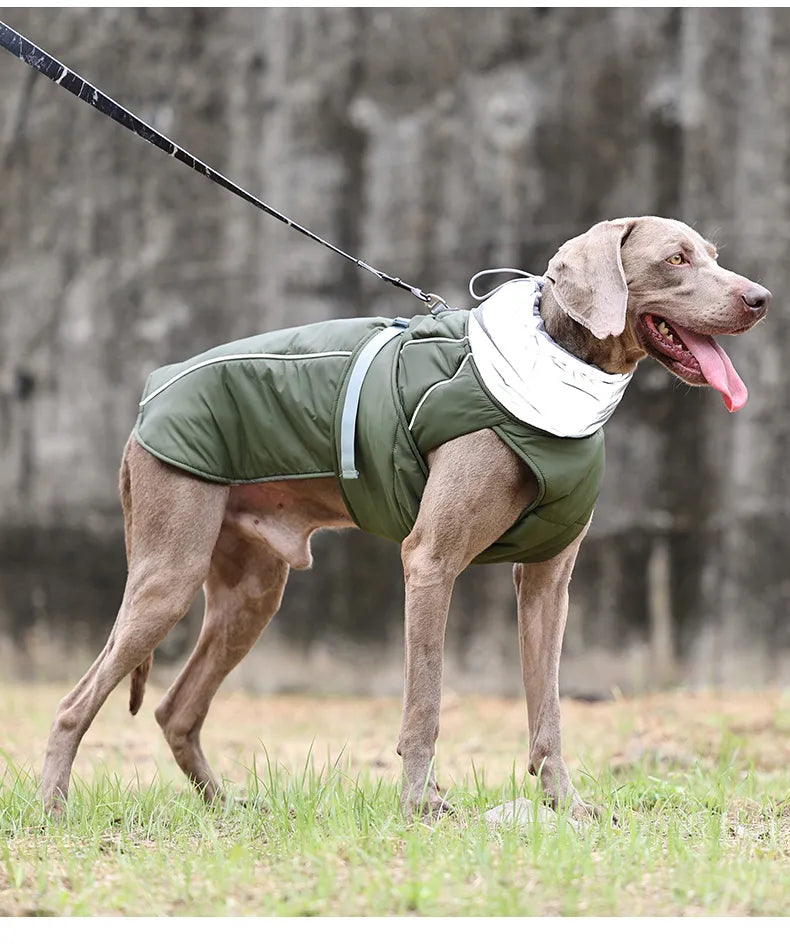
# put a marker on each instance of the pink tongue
(716, 367)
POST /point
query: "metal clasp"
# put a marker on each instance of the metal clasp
(435, 303)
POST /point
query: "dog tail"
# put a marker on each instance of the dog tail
(140, 674)
(139, 678)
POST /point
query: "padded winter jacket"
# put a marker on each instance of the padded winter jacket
(271, 408)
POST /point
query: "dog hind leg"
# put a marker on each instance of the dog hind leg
(243, 591)
(170, 553)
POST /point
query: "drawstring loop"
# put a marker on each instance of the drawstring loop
(485, 273)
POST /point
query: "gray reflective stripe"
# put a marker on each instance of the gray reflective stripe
(348, 420)
(239, 357)
(436, 385)
(436, 339)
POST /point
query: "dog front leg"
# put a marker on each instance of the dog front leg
(429, 586)
(542, 592)
(476, 489)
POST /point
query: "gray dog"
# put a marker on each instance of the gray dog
(466, 436)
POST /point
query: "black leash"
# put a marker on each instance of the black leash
(61, 75)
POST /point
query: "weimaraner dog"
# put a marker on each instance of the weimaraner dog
(623, 290)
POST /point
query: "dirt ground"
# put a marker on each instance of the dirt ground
(699, 782)
(489, 734)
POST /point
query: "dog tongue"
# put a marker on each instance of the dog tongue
(716, 367)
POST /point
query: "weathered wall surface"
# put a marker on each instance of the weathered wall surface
(432, 143)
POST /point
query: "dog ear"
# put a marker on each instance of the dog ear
(588, 280)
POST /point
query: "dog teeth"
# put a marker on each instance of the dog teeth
(665, 331)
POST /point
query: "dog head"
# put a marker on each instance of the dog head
(654, 286)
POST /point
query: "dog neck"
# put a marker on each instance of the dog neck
(534, 377)
(614, 354)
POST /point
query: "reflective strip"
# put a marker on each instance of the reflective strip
(236, 358)
(348, 420)
(436, 339)
(436, 386)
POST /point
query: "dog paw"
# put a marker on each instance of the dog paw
(54, 806)
(584, 812)
(435, 811)
(428, 808)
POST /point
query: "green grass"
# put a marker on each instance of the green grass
(321, 840)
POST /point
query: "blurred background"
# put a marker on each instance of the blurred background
(432, 143)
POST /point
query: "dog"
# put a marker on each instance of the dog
(625, 289)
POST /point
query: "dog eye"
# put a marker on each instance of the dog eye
(676, 260)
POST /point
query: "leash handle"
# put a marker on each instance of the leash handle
(61, 75)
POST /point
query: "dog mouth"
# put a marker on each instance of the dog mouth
(694, 357)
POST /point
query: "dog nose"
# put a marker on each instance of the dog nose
(756, 297)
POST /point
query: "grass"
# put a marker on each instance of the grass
(699, 784)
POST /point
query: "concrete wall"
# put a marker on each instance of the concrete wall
(432, 143)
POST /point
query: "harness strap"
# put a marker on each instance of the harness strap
(348, 419)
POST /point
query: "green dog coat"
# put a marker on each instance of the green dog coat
(364, 401)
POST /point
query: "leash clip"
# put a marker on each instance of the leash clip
(435, 304)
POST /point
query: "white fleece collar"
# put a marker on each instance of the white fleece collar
(534, 378)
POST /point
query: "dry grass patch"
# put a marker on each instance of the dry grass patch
(699, 781)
